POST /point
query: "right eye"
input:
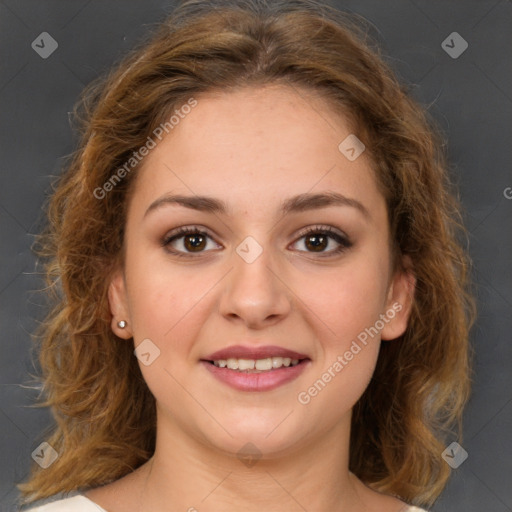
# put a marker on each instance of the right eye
(190, 239)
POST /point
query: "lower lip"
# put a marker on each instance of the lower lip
(264, 381)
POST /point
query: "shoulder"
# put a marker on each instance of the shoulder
(77, 503)
(414, 509)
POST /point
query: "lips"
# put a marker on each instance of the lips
(241, 352)
(254, 379)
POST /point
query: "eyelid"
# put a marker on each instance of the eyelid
(324, 228)
(183, 230)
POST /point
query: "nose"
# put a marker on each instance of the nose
(255, 292)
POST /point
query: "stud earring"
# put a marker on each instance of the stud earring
(121, 324)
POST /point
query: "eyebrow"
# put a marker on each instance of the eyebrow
(295, 204)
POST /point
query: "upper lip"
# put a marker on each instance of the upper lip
(243, 352)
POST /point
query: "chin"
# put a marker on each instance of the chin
(270, 438)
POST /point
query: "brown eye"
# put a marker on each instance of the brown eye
(316, 242)
(321, 239)
(187, 241)
(194, 243)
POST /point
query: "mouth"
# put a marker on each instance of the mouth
(255, 369)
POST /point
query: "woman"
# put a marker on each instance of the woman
(264, 215)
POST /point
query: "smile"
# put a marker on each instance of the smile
(246, 375)
(266, 364)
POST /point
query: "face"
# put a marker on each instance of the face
(288, 259)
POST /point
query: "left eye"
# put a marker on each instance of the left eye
(319, 240)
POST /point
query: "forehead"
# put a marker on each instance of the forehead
(252, 146)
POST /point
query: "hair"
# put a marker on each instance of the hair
(104, 412)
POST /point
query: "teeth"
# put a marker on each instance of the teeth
(232, 364)
(269, 363)
(246, 364)
(264, 364)
(277, 362)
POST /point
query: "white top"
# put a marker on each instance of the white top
(80, 503)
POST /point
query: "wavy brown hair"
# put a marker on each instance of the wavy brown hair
(421, 383)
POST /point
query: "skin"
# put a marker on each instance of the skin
(254, 148)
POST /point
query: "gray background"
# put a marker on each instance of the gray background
(470, 97)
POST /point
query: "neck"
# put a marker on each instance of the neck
(187, 474)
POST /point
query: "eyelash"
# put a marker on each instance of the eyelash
(343, 241)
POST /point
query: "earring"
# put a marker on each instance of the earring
(121, 324)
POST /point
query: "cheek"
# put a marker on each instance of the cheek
(347, 307)
(348, 299)
(163, 297)
(168, 306)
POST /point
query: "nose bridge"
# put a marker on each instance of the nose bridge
(254, 292)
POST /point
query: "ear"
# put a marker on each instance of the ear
(117, 298)
(399, 301)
